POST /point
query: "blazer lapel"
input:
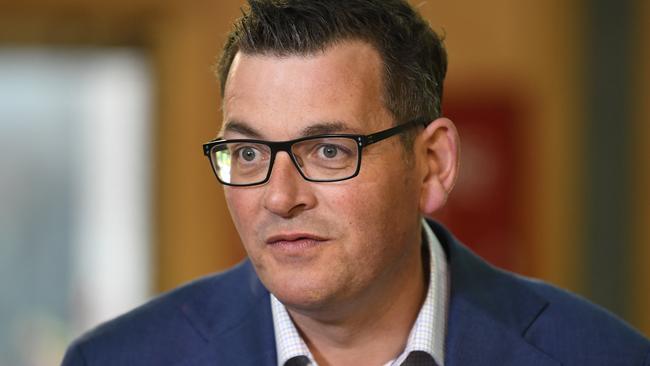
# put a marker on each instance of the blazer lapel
(476, 339)
(251, 343)
(237, 326)
(489, 312)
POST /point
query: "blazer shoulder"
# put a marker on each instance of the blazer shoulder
(558, 323)
(170, 326)
(574, 329)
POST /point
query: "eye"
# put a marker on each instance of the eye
(329, 151)
(247, 153)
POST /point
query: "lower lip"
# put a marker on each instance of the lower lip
(296, 247)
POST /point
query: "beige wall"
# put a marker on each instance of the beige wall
(535, 49)
(195, 234)
(641, 169)
(192, 229)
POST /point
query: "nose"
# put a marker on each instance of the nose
(287, 193)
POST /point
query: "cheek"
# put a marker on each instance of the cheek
(362, 211)
(242, 204)
(349, 205)
(379, 212)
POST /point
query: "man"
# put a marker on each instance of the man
(333, 148)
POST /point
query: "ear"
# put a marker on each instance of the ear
(439, 151)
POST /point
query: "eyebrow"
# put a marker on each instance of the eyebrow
(241, 128)
(320, 128)
(324, 128)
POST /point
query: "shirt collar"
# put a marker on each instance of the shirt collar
(288, 343)
(427, 334)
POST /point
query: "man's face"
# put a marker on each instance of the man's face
(316, 245)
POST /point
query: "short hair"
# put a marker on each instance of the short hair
(413, 55)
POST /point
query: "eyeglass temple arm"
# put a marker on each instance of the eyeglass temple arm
(208, 145)
(376, 137)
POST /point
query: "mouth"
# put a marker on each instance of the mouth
(295, 243)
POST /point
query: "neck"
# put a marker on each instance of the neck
(375, 328)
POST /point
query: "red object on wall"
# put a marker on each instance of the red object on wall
(481, 210)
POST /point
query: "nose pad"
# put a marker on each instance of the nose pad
(287, 193)
(298, 160)
(284, 164)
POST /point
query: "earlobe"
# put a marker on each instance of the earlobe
(440, 153)
(432, 199)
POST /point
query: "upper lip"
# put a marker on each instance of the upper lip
(293, 236)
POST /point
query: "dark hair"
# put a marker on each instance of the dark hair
(414, 58)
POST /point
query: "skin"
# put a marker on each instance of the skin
(343, 257)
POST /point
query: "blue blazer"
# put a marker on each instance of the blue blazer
(495, 318)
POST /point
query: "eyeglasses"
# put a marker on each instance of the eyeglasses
(320, 158)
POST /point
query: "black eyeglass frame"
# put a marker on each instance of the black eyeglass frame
(276, 146)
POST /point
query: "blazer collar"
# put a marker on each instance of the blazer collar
(489, 312)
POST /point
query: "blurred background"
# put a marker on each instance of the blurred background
(106, 199)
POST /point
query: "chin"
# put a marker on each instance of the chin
(301, 294)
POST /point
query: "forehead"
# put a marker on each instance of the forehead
(280, 96)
